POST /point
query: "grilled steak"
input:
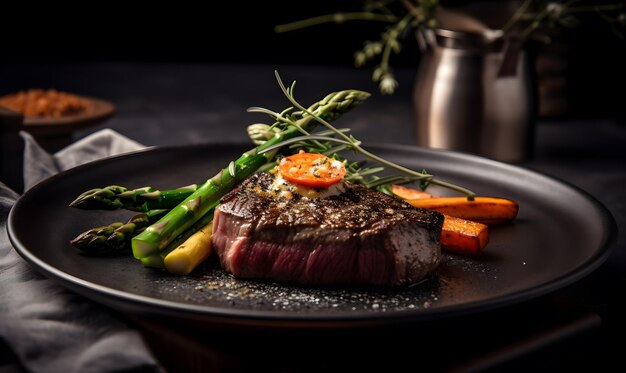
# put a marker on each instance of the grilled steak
(357, 236)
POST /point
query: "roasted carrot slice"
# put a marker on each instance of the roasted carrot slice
(486, 210)
(482, 209)
(460, 236)
(409, 193)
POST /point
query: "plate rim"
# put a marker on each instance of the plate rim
(144, 304)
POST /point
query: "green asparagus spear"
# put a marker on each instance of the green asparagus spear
(206, 219)
(115, 197)
(156, 237)
(156, 260)
(115, 237)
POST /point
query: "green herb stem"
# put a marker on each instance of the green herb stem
(596, 8)
(517, 16)
(335, 18)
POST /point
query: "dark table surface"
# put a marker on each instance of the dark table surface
(177, 104)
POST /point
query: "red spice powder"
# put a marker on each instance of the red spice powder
(50, 103)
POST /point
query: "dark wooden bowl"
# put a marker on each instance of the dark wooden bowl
(100, 111)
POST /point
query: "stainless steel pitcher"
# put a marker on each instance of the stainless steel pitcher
(473, 93)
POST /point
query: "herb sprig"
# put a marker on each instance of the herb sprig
(332, 141)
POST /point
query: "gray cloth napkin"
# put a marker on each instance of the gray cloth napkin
(48, 328)
(39, 164)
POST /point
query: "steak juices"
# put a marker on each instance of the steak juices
(343, 234)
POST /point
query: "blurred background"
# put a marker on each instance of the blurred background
(580, 74)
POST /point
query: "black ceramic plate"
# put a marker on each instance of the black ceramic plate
(561, 235)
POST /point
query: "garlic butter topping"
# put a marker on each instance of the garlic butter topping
(284, 189)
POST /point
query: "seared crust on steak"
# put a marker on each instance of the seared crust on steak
(359, 236)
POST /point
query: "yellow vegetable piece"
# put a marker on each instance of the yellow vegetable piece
(186, 257)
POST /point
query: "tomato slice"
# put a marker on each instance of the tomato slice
(311, 170)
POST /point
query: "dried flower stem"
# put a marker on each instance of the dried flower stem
(529, 17)
(335, 18)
